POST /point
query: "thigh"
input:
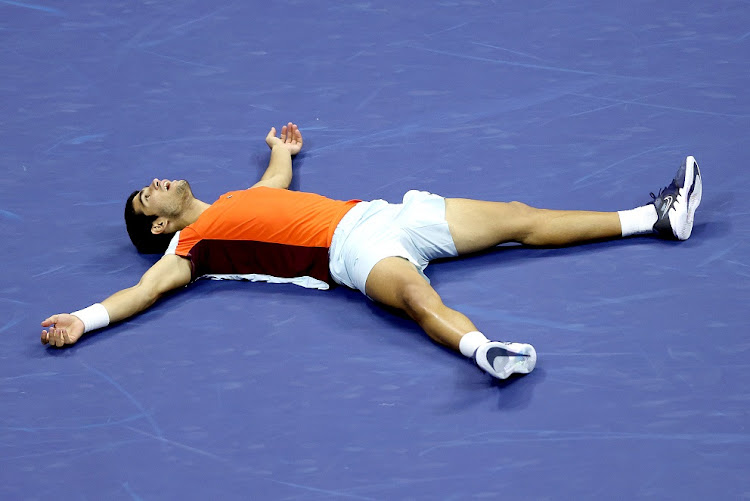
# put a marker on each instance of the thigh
(395, 281)
(476, 225)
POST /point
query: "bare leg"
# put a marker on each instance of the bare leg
(395, 282)
(477, 225)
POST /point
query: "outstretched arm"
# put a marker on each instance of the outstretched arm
(168, 273)
(279, 171)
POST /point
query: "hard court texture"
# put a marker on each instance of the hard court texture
(257, 391)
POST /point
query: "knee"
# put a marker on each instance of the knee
(420, 301)
(522, 210)
(527, 221)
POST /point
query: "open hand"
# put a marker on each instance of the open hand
(63, 329)
(291, 138)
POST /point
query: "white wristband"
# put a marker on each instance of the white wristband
(95, 316)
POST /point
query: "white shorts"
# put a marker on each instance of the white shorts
(415, 230)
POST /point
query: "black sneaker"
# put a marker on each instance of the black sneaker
(676, 204)
(503, 359)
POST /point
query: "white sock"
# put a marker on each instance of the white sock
(638, 221)
(470, 342)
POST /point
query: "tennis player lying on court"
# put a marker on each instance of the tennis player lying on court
(269, 233)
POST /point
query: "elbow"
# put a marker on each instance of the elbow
(284, 183)
(279, 181)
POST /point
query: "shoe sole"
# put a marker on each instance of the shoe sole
(694, 198)
(694, 193)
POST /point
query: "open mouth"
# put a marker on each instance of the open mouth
(162, 184)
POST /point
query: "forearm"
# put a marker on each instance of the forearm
(279, 167)
(128, 302)
(65, 329)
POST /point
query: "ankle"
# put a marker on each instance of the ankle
(638, 221)
(470, 342)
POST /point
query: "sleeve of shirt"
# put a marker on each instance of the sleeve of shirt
(182, 242)
(173, 244)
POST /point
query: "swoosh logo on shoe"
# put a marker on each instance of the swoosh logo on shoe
(666, 205)
(496, 351)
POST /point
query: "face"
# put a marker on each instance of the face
(163, 198)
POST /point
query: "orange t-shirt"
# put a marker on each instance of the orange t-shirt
(263, 233)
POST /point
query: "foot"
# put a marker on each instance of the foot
(503, 359)
(676, 204)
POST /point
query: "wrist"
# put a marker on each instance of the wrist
(94, 317)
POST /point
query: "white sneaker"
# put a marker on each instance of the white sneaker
(503, 359)
(676, 204)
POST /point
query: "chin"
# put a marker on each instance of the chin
(184, 187)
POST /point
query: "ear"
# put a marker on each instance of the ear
(159, 225)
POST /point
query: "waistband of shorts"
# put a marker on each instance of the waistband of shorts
(355, 216)
(352, 216)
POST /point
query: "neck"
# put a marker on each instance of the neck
(193, 211)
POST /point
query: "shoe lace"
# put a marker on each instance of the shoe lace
(672, 186)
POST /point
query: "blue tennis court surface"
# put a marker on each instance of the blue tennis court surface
(259, 391)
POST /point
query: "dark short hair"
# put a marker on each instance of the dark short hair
(139, 230)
